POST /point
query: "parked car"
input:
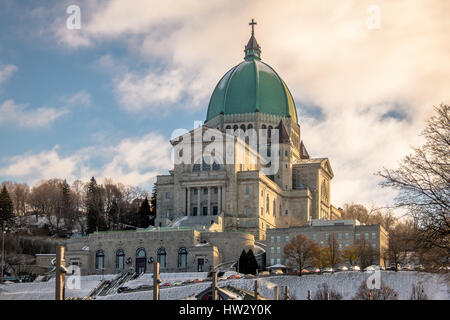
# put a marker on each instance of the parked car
(419, 268)
(234, 276)
(263, 273)
(343, 268)
(249, 276)
(197, 280)
(164, 285)
(315, 270)
(277, 271)
(355, 268)
(327, 270)
(391, 268)
(178, 283)
(407, 268)
(305, 271)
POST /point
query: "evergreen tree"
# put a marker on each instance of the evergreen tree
(252, 265)
(243, 262)
(113, 215)
(6, 207)
(143, 216)
(94, 204)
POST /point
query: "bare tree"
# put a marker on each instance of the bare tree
(332, 253)
(19, 193)
(300, 252)
(423, 181)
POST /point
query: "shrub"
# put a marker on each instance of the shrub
(324, 293)
(384, 293)
(418, 292)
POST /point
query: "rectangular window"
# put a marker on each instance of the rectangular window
(205, 211)
(272, 250)
(194, 211)
(339, 236)
(195, 191)
(167, 195)
(340, 245)
(374, 235)
(205, 191)
(272, 239)
(287, 239)
(247, 190)
(314, 236)
(278, 261)
(326, 236)
(366, 235)
(278, 239)
(216, 190)
(278, 250)
(346, 236)
(246, 211)
(272, 261)
(215, 210)
(374, 245)
(357, 236)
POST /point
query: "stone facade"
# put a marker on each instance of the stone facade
(347, 232)
(246, 197)
(179, 249)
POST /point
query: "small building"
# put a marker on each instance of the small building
(346, 232)
(177, 249)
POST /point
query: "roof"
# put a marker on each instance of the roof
(251, 86)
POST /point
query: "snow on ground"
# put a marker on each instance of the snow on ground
(46, 290)
(346, 283)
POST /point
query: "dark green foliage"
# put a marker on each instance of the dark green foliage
(143, 215)
(94, 204)
(242, 265)
(247, 262)
(252, 265)
(6, 207)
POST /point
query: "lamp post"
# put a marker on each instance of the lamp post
(4, 229)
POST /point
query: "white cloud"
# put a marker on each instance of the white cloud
(22, 115)
(133, 161)
(19, 114)
(6, 71)
(322, 49)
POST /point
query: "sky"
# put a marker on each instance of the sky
(102, 97)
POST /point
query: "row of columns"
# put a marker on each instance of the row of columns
(199, 191)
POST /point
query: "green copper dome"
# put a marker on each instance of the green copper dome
(251, 86)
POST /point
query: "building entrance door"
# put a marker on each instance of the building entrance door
(141, 261)
(200, 265)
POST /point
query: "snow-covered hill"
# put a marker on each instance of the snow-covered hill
(346, 283)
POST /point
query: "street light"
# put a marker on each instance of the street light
(4, 229)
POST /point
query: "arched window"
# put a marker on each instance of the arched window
(228, 128)
(243, 127)
(250, 126)
(269, 132)
(235, 127)
(162, 257)
(120, 259)
(182, 258)
(267, 204)
(99, 260)
(263, 126)
(216, 166)
(140, 253)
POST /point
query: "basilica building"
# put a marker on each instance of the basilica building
(242, 174)
(250, 97)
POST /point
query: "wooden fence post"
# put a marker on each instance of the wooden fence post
(275, 293)
(214, 285)
(60, 273)
(256, 290)
(156, 281)
(286, 293)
